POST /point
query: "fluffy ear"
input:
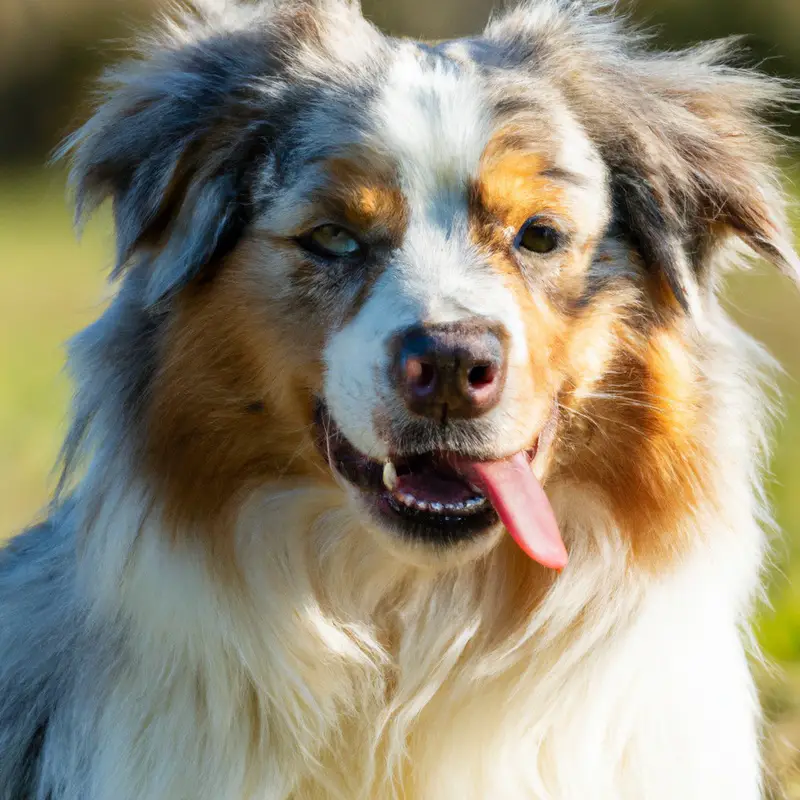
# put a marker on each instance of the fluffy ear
(174, 145)
(692, 160)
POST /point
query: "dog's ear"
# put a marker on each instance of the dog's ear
(693, 163)
(691, 157)
(174, 143)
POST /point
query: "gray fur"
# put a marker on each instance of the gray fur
(176, 143)
(168, 186)
(57, 662)
(41, 626)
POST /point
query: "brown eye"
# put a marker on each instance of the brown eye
(331, 241)
(538, 238)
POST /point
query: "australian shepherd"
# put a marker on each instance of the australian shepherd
(415, 457)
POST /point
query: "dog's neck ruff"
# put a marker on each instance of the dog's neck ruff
(333, 669)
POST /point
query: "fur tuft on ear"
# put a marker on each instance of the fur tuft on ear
(684, 135)
(173, 145)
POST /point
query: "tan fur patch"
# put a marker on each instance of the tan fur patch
(363, 191)
(231, 403)
(363, 195)
(512, 185)
(637, 437)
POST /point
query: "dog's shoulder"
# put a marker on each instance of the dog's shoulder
(39, 630)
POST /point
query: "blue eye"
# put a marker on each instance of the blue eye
(331, 241)
(536, 237)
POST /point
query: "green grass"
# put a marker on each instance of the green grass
(51, 285)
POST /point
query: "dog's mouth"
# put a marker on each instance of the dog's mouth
(445, 497)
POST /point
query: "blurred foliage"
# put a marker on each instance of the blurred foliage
(50, 49)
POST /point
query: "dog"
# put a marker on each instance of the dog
(415, 456)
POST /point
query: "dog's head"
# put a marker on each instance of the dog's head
(432, 271)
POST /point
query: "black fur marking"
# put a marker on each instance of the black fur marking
(642, 218)
(177, 146)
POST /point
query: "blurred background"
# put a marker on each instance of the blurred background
(51, 285)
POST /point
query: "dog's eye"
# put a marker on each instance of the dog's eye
(536, 237)
(331, 241)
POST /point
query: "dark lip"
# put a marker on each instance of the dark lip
(341, 455)
(367, 475)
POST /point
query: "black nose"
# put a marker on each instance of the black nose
(450, 371)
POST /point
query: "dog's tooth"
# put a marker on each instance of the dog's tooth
(405, 499)
(437, 507)
(389, 476)
(421, 505)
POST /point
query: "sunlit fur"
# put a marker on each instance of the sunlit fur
(209, 614)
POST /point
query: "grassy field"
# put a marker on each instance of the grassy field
(51, 285)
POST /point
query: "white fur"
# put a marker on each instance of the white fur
(435, 118)
(336, 671)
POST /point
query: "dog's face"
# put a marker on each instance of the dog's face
(429, 256)
(395, 263)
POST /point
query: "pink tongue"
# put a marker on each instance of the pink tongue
(522, 505)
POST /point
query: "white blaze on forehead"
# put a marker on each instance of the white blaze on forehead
(435, 121)
(433, 117)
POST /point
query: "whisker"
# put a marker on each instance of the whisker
(583, 415)
(626, 399)
(593, 419)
